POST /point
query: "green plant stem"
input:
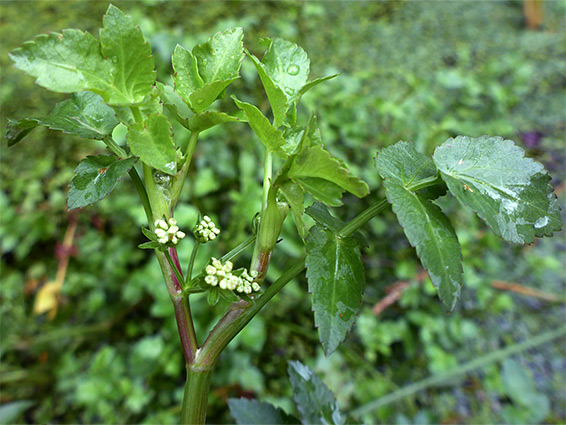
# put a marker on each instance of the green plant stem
(136, 113)
(267, 173)
(477, 363)
(159, 205)
(421, 184)
(138, 184)
(181, 306)
(363, 218)
(114, 147)
(192, 261)
(195, 398)
(238, 249)
(181, 175)
(238, 316)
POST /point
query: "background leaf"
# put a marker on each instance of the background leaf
(509, 192)
(153, 143)
(314, 400)
(95, 178)
(248, 412)
(336, 280)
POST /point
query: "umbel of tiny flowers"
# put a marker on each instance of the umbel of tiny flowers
(223, 276)
(168, 231)
(206, 230)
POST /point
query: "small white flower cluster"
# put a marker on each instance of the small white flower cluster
(206, 230)
(167, 231)
(221, 275)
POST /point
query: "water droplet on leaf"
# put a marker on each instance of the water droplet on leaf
(293, 70)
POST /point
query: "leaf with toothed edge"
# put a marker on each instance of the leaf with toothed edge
(17, 130)
(276, 96)
(84, 115)
(267, 134)
(152, 141)
(133, 73)
(186, 77)
(315, 162)
(65, 63)
(509, 192)
(119, 67)
(336, 280)
(316, 403)
(96, 177)
(250, 412)
(424, 223)
(220, 58)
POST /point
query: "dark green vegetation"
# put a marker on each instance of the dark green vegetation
(111, 355)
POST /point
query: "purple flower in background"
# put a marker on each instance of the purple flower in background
(531, 139)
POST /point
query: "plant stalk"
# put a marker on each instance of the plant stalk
(195, 398)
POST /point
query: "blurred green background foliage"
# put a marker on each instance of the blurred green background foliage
(415, 71)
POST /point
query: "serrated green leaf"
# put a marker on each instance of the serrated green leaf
(314, 161)
(509, 192)
(221, 56)
(132, 74)
(295, 197)
(186, 77)
(276, 96)
(203, 97)
(174, 104)
(66, 63)
(322, 216)
(152, 141)
(18, 130)
(96, 177)
(322, 190)
(269, 135)
(287, 65)
(210, 119)
(403, 163)
(253, 412)
(149, 245)
(424, 223)
(315, 401)
(431, 233)
(336, 280)
(84, 115)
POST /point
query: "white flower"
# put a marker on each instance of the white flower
(206, 230)
(210, 270)
(161, 223)
(211, 280)
(168, 232)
